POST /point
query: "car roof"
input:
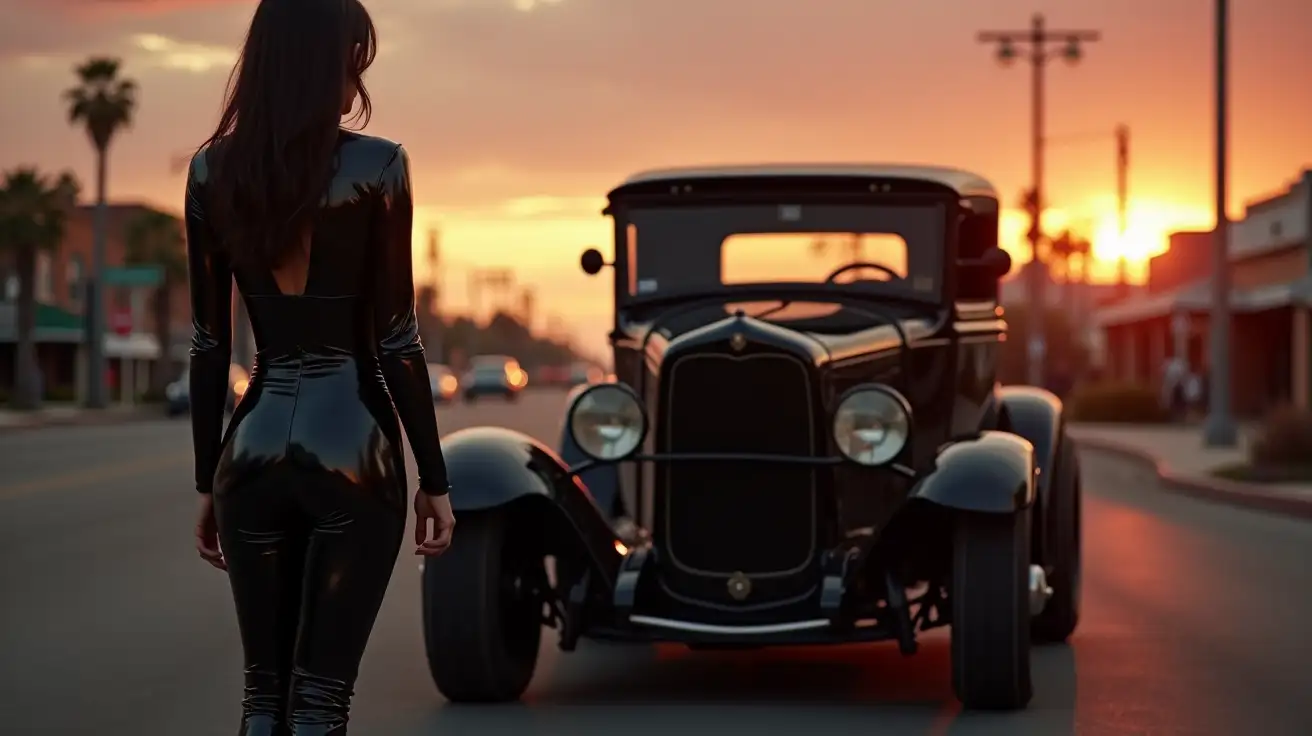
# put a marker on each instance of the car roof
(963, 182)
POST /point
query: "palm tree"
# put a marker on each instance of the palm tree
(33, 210)
(102, 102)
(154, 238)
(1067, 246)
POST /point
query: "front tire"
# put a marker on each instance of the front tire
(1061, 615)
(482, 615)
(990, 611)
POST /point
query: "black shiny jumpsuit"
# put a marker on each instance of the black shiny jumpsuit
(309, 478)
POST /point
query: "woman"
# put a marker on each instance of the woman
(302, 499)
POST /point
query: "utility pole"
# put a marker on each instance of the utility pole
(1219, 429)
(527, 304)
(434, 259)
(1036, 42)
(434, 277)
(1122, 199)
(499, 280)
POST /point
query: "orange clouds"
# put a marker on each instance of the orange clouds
(135, 6)
(496, 103)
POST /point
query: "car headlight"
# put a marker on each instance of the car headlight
(872, 424)
(607, 421)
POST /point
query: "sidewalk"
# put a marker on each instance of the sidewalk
(66, 414)
(1184, 464)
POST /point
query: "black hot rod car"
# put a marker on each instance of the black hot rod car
(781, 460)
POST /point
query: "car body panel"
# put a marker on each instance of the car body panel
(494, 467)
(993, 473)
(963, 182)
(1037, 415)
(754, 528)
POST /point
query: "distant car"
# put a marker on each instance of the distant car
(584, 373)
(496, 375)
(178, 394)
(552, 375)
(442, 380)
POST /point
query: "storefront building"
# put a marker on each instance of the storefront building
(1270, 298)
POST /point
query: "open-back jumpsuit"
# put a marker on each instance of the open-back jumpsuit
(309, 478)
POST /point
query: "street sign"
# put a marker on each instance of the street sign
(140, 276)
(120, 320)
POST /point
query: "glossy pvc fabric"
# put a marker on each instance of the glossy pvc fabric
(309, 476)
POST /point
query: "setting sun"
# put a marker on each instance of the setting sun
(1149, 223)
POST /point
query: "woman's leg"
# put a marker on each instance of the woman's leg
(264, 541)
(353, 547)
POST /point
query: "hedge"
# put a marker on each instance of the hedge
(1110, 402)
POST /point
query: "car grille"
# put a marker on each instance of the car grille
(726, 517)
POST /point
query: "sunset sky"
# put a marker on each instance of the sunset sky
(520, 114)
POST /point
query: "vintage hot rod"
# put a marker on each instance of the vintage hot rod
(782, 460)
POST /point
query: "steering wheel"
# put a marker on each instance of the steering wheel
(863, 264)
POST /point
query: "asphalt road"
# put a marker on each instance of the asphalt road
(1196, 622)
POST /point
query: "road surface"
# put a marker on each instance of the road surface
(1196, 621)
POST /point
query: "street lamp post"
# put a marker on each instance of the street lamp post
(1122, 201)
(1037, 41)
(1219, 429)
(434, 277)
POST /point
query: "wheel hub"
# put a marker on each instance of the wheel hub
(1040, 591)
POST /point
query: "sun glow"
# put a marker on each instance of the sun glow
(1148, 226)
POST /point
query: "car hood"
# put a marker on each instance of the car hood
(814, 347)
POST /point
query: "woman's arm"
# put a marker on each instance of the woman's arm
(210, 277)
(396, 326)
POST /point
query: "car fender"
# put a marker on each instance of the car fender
(992, 473)
(1038, 416)
(603, 481)
(498, 468)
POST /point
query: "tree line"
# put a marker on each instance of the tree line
(35, 208)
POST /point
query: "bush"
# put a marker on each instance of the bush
(1109, 402)
(1284, 438)
(61, 394)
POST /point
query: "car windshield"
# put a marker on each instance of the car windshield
(672, 249)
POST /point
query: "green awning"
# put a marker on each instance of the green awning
(52, 324)
(50, 317)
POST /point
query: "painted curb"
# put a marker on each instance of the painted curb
(85, 419)
(1233, 493)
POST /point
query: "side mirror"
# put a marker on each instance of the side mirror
(978, 277)
(993, 264)
(592, 262)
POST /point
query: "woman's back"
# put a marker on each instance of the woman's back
(335, 351)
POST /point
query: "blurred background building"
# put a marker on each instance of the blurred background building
(1271, 277)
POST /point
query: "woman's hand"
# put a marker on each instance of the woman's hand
(207, 532)
(438, 508)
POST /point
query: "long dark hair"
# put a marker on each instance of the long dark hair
(272, 154)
